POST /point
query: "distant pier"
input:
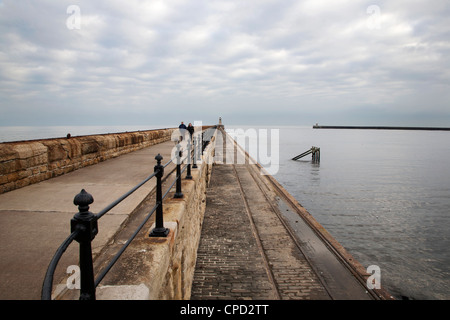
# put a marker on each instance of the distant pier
(316, 126)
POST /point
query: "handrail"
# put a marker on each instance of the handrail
(119, 253)
(48, 280)
(84, 223)
(170, 187)
(124, 196)
(168, 162)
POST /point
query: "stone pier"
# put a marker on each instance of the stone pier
(235, 234)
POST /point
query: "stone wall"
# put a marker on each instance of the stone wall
(27, 162)
(186, 218)
(162, 268)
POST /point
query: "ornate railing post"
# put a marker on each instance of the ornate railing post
(86, 222)
(194, 158)
(203, 141)
(199, 147)
(159, 230)
(189, 159)
(178, 193)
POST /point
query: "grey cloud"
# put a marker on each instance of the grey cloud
(260, 59)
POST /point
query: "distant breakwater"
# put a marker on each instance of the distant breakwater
(382, 128)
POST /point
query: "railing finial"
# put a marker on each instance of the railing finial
(83, 200)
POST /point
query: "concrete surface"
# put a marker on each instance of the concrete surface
(34, 220)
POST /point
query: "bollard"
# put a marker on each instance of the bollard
(159, 230)
(178, 193)
(86, 222)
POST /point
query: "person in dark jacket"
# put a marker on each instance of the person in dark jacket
(190, 129)
(182, 128)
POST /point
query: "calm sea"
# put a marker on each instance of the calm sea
(383, 194)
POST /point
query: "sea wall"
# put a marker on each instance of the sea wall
(176, 270)
(27, 162)
(162, 268)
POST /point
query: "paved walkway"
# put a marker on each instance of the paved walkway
(247, 257)
(246, 250)
(34, 220)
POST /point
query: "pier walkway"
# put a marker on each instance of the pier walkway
(34, 220)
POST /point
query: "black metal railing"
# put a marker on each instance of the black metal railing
(84, 225)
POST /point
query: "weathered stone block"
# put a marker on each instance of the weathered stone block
(25, 173)
(89, 146)
(9, 167)
(22, 183)
(55, 150)
(11, 177)
(27, 150)
(7, 153)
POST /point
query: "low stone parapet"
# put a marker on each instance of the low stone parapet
(27, 162)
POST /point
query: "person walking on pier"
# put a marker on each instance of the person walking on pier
(182, 129)
(190, 129)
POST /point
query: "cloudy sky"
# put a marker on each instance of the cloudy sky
(250, 62)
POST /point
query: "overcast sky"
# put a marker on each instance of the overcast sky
(250, 62)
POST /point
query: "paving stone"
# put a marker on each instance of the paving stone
(229, 252)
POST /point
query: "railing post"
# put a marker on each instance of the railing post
(159, 230)
(203, 141)
(189, 158)
(178, 193)
(199, 147)
(194, 164)
(86, 222)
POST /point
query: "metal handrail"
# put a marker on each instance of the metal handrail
(84, 225)
(48, 280)
(119, 253)
(124, 196)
